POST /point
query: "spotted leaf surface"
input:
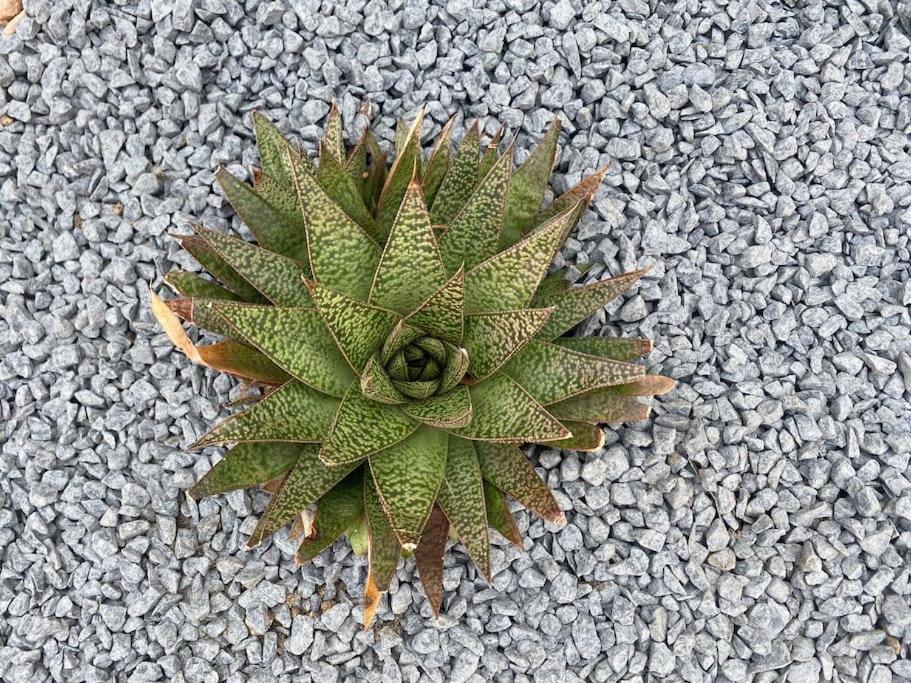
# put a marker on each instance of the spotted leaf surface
(442, 313)
(460, 180)
(410, 268)
(499, 517)
(408, 476)
(273, 147)
(383, 550)
(247, 465)
(452, 409)
(406, 164)
(295, 339)
(340, 509)
(220, 269)
(304, 484)
(575, 304)
(507, 468)
(492, 338)
(363, 426)
(462, 499)
(552, 373)
(429, 557)
(337, 182)
(194, 285)
(615, 348)
(293, 412)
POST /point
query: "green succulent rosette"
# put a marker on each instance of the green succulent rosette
(410, 339)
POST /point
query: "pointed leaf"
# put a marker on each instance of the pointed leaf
(282, 197)
(649, 385)
(307, 482)
(429, 557)
(462, 499)
(452, 409)
(586, 437)
(509, 279)
(359, 329)
(272, 145)
(418, 389)
(552, 373)
(227, 356)
(454, 370)
(376, 172)
(410, 268)
(408, 476)
(277, 277)
(499, 517)
(504, 411)
(336, 180)
(342, 255)
(198, 312)
(246, 465)
(383, 551)
(294, 412)
(334, 138)
(606, 406)
(474, 233)
(493, 338)
(575, 304)
(461, 179)
(526, 191)
(438, 164)
(209, 259)
(295, 339)
(507, 468)
(194, 285)
(376, 385)
(615, 348)
(363, 426)
(441, 314)
(492, 153)
(403, 169)
(579, 195)
(272, 228)
(338, 511)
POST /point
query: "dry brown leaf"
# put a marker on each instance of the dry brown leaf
(13, 23)
(9, 9)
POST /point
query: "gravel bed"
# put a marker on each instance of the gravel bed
(758, 528)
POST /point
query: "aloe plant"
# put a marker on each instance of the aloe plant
(410, 340)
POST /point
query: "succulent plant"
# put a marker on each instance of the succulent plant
(409, 339)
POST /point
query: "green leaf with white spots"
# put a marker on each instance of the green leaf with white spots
(406, 164)
(459, 181)
(359, 329)
(363, 426)
(383, 550)
(552, 373)
(526, 191)
(438, 165)
(604, 406)
(429, 557)
(272, 146)
(336, 180)
(441, 314)
(337, 512)
(334, 136)
(246, 465)
(508, 280)
(410, 268)
(271, 227)
(295, 339)
(408, 476)
(293, 412)
(499, 517)
(455, 368)
(474, 233)
(504, 411)
(420, 390)
(449, 410)
(305, 483)
(276, 277)
(210, 259)
(507, 468)
(573, 305)
(376, 385)
(615, 348)
(493, 338)
(194, 285)
(579, 195)
(342, 255)
(462, 499)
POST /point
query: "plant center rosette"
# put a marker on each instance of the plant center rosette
(410, 339)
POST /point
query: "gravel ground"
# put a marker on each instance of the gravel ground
(758, 528)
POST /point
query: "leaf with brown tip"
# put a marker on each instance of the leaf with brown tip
(507, 468)
(383, 551)
(429, 557)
